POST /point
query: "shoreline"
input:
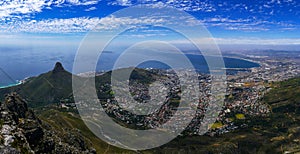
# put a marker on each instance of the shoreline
(11, 85)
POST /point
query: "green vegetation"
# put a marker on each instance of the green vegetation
(1, 139)
(284, 97)
(19, 145)
(240, 116)
(45, 89)
(67, 122)
(217, 125)
(1, 123)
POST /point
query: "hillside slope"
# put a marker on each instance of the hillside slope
(56, 85)
(46, 88)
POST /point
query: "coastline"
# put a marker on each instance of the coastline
(11, 85)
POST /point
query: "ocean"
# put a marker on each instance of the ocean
(19, 63)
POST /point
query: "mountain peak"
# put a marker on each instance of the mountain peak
(58, 68)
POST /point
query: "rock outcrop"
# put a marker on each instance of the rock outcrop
(22, 132)
(58, 68)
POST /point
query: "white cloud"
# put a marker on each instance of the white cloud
(258, 41)
(244, 24)
(186, 5)
(17, 8)
(59, 25)
(7, 7)
(74, 25)
(90, 9)
(243, 41)
(121, 2)
(112, 22)
(82, 2)
(85, 24)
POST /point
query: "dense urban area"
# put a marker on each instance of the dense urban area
(244, 90)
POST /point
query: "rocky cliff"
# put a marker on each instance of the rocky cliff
(22, 132)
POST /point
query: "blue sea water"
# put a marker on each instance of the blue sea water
(19, 63)
(198, 62)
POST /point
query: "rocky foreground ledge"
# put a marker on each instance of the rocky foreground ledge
(22, 132)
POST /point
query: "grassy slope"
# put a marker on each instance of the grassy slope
(285, 96)
(47, 88)
(66, 121)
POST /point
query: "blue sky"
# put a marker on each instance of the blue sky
(230, 22)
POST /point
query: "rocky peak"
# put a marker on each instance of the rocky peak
(58, 68)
